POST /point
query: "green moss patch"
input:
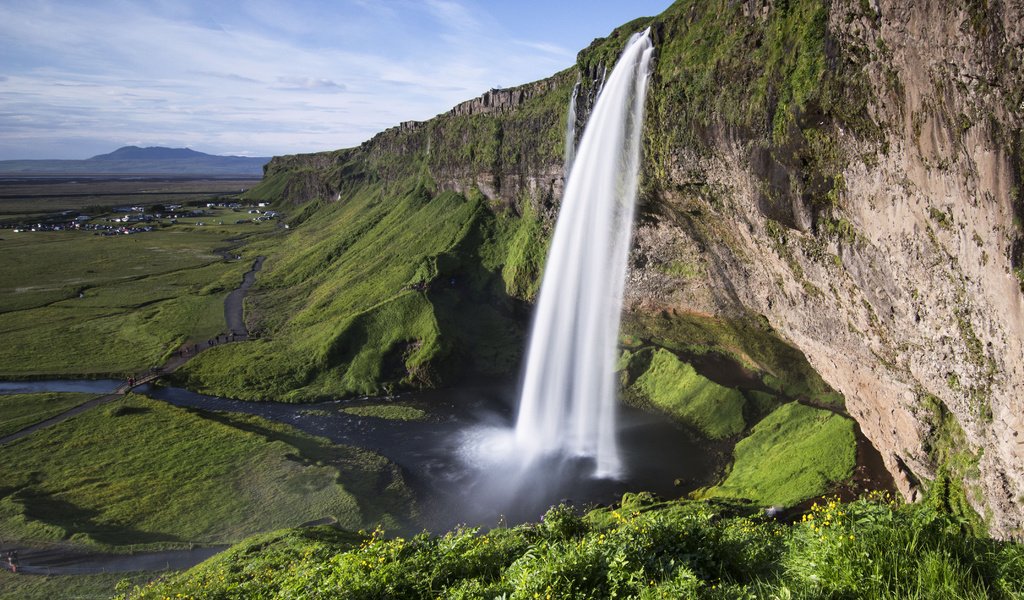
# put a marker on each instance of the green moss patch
(795, 453)
(396, 412)
(676, 388)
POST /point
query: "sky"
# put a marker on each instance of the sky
(268, 77)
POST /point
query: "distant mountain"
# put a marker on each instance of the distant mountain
(133, 160)
(152, 153)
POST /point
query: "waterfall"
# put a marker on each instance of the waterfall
(604, 77)
(568, 401)
(570, 131)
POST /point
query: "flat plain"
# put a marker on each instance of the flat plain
(97, 302)
(21, 196)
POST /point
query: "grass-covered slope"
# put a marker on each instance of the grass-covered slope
(139, 472)
(865, 549)
(675, 387)
(79, 587)
(378, 290)
(793, 454)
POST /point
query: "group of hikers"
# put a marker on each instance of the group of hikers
(222, 338)
(193, 349)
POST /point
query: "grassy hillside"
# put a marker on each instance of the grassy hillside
(642, 549)
(381, 290)
(793, 454)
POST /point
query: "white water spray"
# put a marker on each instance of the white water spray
(568, 401)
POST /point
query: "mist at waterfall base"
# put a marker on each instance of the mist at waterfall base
(566, 432)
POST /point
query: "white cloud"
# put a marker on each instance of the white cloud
(454, 15)
(308, 83)
(547, 48)
(123, 71)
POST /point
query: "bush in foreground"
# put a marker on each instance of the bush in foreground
(870, 548)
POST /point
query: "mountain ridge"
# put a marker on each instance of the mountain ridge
(160, 153)
(135, 160)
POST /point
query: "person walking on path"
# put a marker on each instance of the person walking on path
(12, 560)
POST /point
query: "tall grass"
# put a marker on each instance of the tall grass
(872, 548)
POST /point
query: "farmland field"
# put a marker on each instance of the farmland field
(120, 297)
(36, 196)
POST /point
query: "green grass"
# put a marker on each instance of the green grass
(675, 387)
(76, 304)
(38, 268)
(18, 411)
(395, 412)
(791, 452)
(795, 453)
(68, 587)
(871, 549)
(137, 473)
(409, 284)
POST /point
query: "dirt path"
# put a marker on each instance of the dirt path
(233, 314)
(60, 560)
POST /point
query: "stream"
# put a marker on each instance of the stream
(444, 459)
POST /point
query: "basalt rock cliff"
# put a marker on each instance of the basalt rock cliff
(848, 172)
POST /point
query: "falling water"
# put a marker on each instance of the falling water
(570, 131)
(604, 77)
(568, 401)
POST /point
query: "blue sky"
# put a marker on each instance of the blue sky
(265, 77)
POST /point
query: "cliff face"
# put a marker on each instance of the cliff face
(884, 247)
(851, 172)
(507, 144)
